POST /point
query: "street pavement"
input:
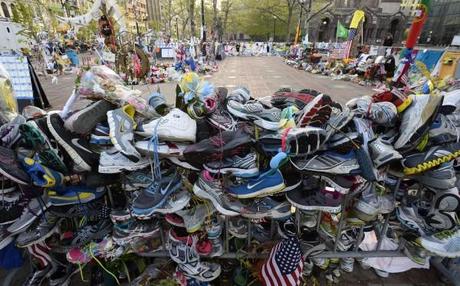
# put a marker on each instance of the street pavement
(262, 76)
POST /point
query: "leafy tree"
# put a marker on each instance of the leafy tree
(23, 13)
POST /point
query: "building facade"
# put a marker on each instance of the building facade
(6, 10)
(154, 12)
(443, 23)
(135, 15)
(382, 17)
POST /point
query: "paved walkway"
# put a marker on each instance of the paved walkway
(262, 75)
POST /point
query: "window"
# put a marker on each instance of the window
(5, 10)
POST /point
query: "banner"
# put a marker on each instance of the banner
(358, 16)
(341, 32)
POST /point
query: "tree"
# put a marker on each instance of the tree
(23, 14)
(191, 15)
(226, 8)
(214, 17)
(290, 6)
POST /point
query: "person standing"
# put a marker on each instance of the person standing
(388, 41)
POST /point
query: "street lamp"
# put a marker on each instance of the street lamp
(274, 27)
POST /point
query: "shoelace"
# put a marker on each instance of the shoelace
(155, 164)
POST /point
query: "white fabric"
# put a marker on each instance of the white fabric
(388, 264)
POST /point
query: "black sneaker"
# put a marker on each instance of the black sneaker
(5, 237)
(37, 276)
(77, 148)
(10, 211)
(9, 167)
(226, 144)
(92, 232)
(63, 274)
(84, 120)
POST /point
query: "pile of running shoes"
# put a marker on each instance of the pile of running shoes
(227, 173)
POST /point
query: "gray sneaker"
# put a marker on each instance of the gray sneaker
(238, 227)
(240, 166)
(382, 153)
(35, 208)
(122, 124)
(209, 188)
(267, 207)
(444, 130)
(442, 177)
(416, 120)
(112, 162)
(267, 118)
(84, 120)
(195, 217)
(329, 162)
(48, 225)
(92, 232)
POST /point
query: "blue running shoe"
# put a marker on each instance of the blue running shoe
(267, 183)
(74, 195)
(42, 176)
(155, 195)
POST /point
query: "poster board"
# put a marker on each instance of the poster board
(167, 53)
(18, 69)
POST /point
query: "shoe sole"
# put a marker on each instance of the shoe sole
(315, 208)
(91, 115)
(316, 102)
(120, 168)
(72, 153)
(447, 202)
(265, 124)
(306, 142)
(43, 238)
(182, 164)
(262, 192)
(113, 138)
(174, 223)
(13, 178)
(205, 195)
(128, 239)
(386, 159)
(244, 173)
(219, 126)
(273, 213)
(439, 253)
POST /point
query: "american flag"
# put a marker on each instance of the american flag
(349, 42)
(285, 264)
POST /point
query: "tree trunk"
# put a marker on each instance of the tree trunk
(290, 4)
(191, 13)
(214, 18)
(228, 5)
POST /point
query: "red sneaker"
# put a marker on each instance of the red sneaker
(285, 97)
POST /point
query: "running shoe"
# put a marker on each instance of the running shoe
(10, 132)
(316, 113)
(266, 208)
(163, 149)
(445, 243)
(267, 183)
(397, 98)
(92, 232)
(382, 153)
(113, 161)
(176, 126)
(195, 216)
(47, 226)
(417, 120)
(122, 125)
(34, 209)
(442, 177)
(10, 168)
(240, 166)
(72, 195)
(226, 144)
(84, 120)
(41, 175)
(223, 120)
(176, 202)
(10, 208)
(286, 97)
(262, 116)
(381, 113)
(451, 102)
(238, 227)
(39, 275)
(367, 208)
(444, 130)
(209, 188)
(77, 148)
(320, 200)
(239, 94)
(329, 162)
(126, 232)
(155, 195)
(433, 157)
(5, 237)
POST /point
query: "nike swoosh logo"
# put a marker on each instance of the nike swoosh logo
(75, 142)
(254, 185)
